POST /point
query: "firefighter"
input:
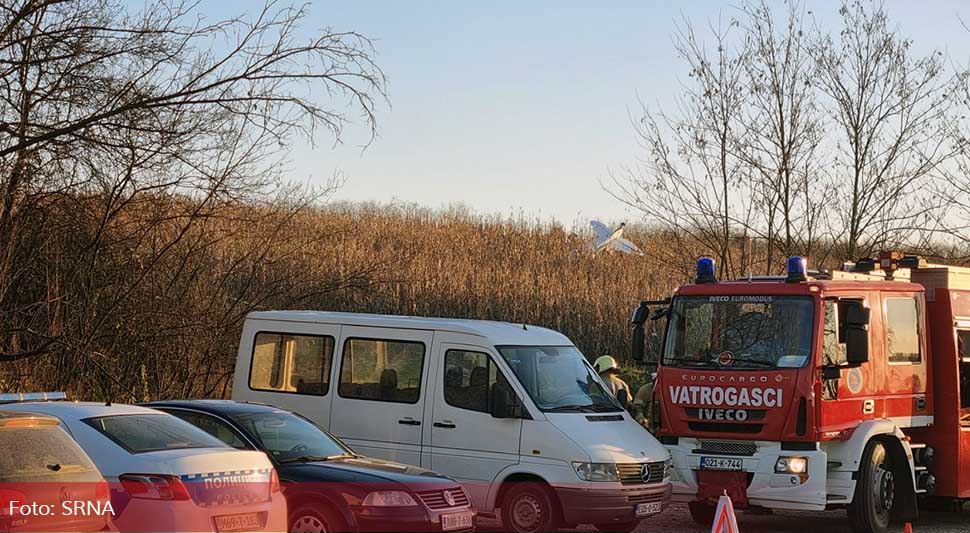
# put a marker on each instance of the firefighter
(643, 403)
(608, 369)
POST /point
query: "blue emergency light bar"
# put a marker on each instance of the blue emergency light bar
(706, 272)
(14, 397)
(797, 269)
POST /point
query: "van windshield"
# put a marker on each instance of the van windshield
(740, 332)
(558, 379)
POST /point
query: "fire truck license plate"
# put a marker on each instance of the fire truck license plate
(648, 508)
(721, 463)
(456, 521)
(238, 522)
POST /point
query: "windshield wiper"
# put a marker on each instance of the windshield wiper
(304, 459)
(765, 364)
(342, 456)
(695, 362)
(571, 408)
(592, 408)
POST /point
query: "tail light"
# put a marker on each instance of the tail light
(9, 495)
(274, 482)
(102, 491)
(155, 487)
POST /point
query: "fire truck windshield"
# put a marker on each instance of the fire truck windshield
(740, 332)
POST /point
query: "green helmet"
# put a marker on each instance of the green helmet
(604, 363)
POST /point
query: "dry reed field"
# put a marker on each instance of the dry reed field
(151, 306)
(142, 320)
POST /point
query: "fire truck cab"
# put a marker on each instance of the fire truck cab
(848, 389)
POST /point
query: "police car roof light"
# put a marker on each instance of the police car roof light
(15, 397)
(706, 271)
(797, 269)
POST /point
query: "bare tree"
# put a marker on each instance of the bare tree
(690, 179)
(784, 128)
(891, 128)
(125, 131)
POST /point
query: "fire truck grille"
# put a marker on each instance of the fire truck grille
(725, 427)
(435, 499)
(631, 473)
(727, 447)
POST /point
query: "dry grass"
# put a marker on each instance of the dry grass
(451, 264)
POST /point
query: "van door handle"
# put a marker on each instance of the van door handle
(409, 422)
(446, 424)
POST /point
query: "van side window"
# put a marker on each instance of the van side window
(292, 363)
(382, 370)
(902, 330)
(469, 378)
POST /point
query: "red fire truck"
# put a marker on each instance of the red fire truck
(815, 391)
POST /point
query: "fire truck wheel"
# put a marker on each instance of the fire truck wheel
(701, 513)
(875, 491)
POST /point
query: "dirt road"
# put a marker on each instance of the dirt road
(677, 519)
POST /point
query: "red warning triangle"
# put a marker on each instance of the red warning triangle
(724, 519)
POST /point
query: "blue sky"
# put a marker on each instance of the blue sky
(522, 107)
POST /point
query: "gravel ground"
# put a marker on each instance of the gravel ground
(677, 519)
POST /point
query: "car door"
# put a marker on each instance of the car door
(466, 442)
(904, 345)
(379, 406)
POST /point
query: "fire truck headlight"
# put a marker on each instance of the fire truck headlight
(791, 465)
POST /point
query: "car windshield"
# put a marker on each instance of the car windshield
(558, 379)
(740, 332)
(152, 432)
(290, 438)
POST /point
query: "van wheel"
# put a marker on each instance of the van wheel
(875, 491)
(619, 527)
(314, 519)
(528, 508)
(701, 513)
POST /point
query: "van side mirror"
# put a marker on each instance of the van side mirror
(856, 330)
(504, 403)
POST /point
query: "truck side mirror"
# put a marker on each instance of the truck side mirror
(640, 315)
(504, 404)
(856, 328)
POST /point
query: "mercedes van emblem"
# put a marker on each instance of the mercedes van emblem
(450, 498)
(645, 473)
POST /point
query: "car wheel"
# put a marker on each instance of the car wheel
(701, 513)
(619, 527)
(313, 519)
(875, 491)
(528, 508)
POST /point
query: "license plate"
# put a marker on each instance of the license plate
(649, 508)
(454, 521)
(721, 463)
(238, 522)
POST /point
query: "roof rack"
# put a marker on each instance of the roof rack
(14, 397)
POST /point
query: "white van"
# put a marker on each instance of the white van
(514, 412)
